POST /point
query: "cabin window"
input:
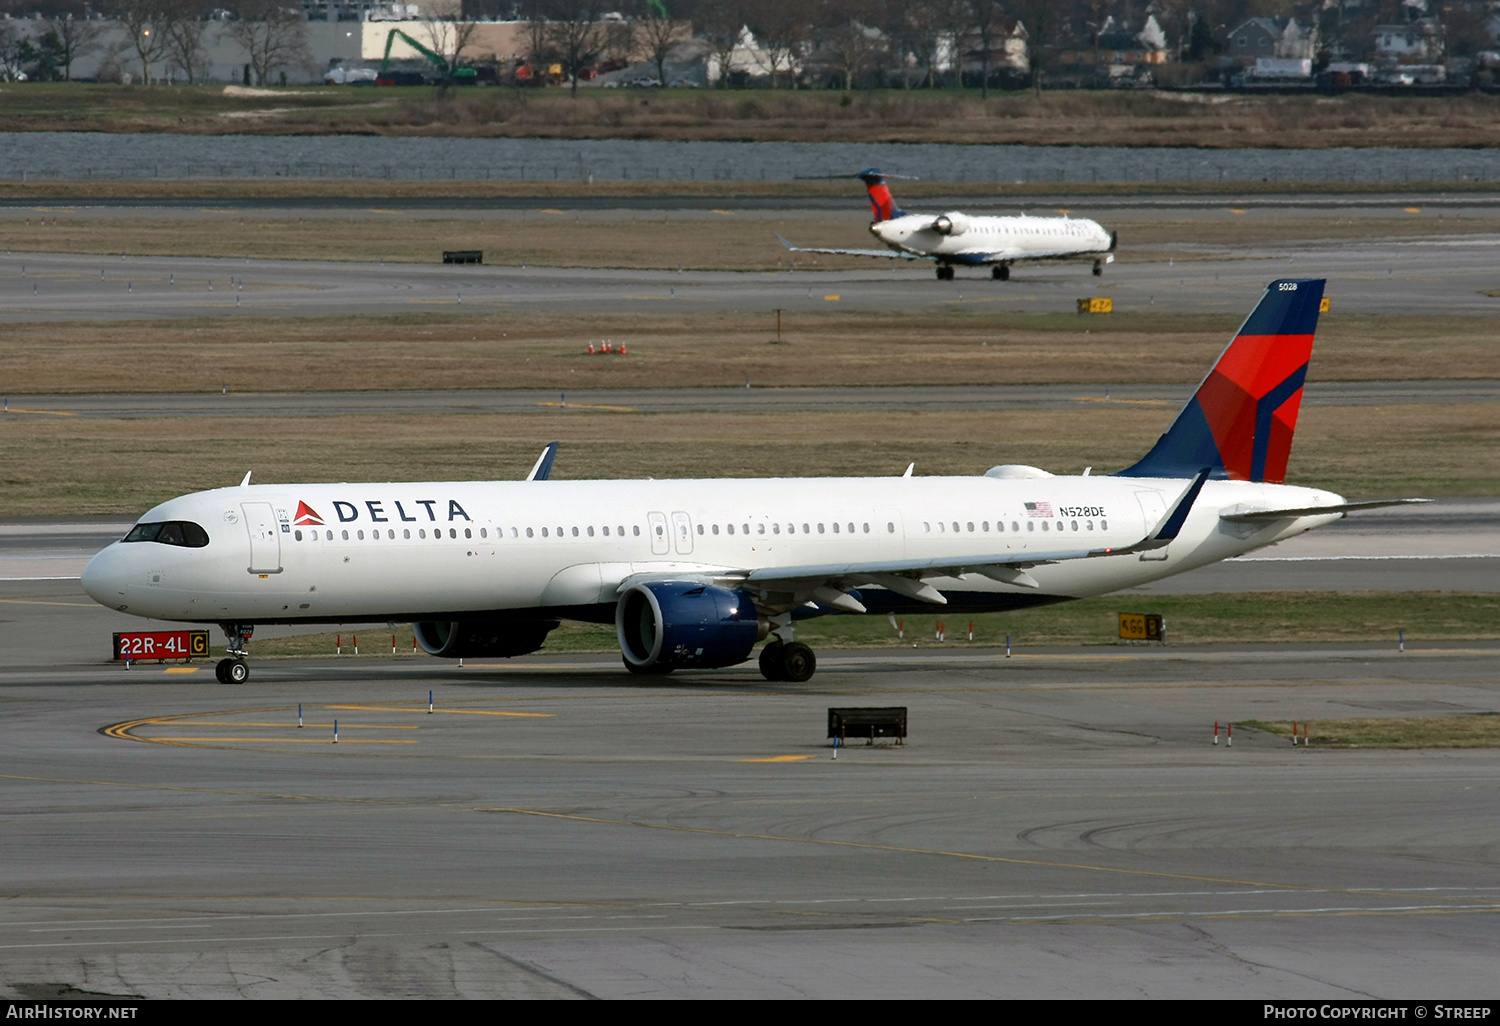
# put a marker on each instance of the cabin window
(926, 527)
(807, 530)
(485, 533)
(867, 529)
(791, 528)
(406, 532)
(955, 527)
(1031, 525)
(345, 534)
(559, 532)
(575, 533)
(361, 536)
(528, 532)
(470, 534)
(606, 531)
(820, 528)
(1044, 525)
(775, 528)
(330, 536)
(621, 530)
(744, 528)
(1014, 526)
(1000, 526)
(760, 528)
(1088, 525)
(984, 525)
(637, 529)
(591, 532)
(1104, 525)
(835, 527)
(700, 529)
(299, 535)
(729, 528)
(1075, 525)
(544, 532)
(890, 527)
(422, 532)
(942, 527)
(716, 529)
(971, 527)
(515, 534)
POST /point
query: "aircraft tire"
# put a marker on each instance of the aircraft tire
(770, 661)
(798, 663)
(236, 672)
(221, 670)
(1000, 272)
(1098, 269)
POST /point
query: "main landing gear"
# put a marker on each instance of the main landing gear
(945, 272)
(233, 669)
(1098, 268)
(788, 661)
(1000, 272)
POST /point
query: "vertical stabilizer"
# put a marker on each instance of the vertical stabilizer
(882, 203)
(1239, 422)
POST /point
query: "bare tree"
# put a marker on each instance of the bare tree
(142, 22)
(720, 25)
(571, 31)
(183, 29)
(846, 34)
(77, 37)
(449, 39)
(781, 27)
(658, 34)
(273, 37)
(1042, 22)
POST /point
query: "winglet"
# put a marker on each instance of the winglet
(247, 478)
(542, 469)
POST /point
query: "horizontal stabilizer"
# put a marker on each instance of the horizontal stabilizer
(849, 252)
(1241, 515)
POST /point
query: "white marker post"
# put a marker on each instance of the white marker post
(429, 703)
(299, 715)
(335, 731)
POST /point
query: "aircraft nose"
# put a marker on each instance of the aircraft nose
(105, 577)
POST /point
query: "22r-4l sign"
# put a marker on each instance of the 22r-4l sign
(135, 645)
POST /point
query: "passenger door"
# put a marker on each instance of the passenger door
(265, 540)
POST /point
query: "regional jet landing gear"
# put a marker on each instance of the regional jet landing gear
(1098, 268)
(1000, 272)
(945, 272)
(233, 669)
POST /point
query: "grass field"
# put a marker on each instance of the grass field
(1249, 617)
(724, 239)
(1476, 730)
(95, 466)
(967, 343)
(1110, 118)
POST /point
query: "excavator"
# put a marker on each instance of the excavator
(448, 72)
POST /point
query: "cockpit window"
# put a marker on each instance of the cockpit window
(172, 532)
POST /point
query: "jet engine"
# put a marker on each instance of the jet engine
(456, 639)
(667, 625)
(951, 224)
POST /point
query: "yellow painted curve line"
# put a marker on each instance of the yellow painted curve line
(590, 406)
(781, 758)
(38, 602)
(267, 741)
(42, 413)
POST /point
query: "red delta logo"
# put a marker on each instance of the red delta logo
(306, 517)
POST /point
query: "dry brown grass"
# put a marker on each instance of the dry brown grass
(1110, 118)
(53, 465)
(969, 344)
(548, 236)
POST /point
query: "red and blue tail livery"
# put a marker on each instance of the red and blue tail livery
(882, 203)
(1239, 422)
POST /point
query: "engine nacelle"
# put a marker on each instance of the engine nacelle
(673, 624)
(951, 224)
(458, 639)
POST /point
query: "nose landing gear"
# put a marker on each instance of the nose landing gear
(233, 669)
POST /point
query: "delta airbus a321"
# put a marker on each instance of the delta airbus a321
(693, 573)
(965, 240)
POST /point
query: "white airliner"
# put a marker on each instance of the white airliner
(693, 573)
(956, 238)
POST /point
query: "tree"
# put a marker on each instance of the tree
(781, 27)
(142, 22)
(449, 39)
(720, 25)
(77, 37)
(846, 34)
(183, 29)
(1043, 23)
(570, 30)
(273, 37)
(658, 34)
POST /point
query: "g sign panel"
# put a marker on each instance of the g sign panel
(134, 645)
(1141, 626)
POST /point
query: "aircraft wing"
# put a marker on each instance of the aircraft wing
(852, 252)
(828, 583)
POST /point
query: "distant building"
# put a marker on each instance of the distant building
(1416, 42)
(1272, 37)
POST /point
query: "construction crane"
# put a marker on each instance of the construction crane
(462, 76)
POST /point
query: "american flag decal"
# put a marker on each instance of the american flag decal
(1039, 509)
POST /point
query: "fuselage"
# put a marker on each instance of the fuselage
(395, 552)
(970, 239)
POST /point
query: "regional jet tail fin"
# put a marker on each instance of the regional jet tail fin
(542, 468)
(882, 203)
(1239, 422)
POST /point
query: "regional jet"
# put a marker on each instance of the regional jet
(965, 240)
(695, 573)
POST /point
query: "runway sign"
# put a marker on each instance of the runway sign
(1142, 627)
(1096, 305)
(136, 645)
